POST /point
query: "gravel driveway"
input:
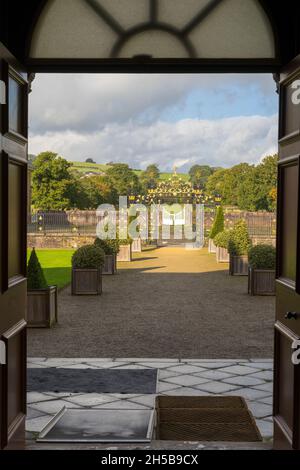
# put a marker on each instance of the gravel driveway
(169, 302)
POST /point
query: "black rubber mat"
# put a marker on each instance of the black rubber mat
(52, 379)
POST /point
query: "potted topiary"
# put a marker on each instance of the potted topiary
(41, 298)
(87, 264)
(218, 226)
(221, 241)
(262, 261)
(136, 246)
(110, 255)
(238, 247)
(125, 250)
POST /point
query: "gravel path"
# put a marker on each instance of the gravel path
(169, 302)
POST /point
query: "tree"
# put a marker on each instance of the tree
(123, 179)
(89, 160)
(35, 274)
(53, 186)
(150, 177)
(97, 190)
(218, 225)
(199, 175)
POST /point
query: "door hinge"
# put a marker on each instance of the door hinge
(2, 92)
(2, 353)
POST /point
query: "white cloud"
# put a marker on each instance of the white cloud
(222, 142)
(86, 102)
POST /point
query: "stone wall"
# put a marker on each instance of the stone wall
(58, 240)
(68, 240)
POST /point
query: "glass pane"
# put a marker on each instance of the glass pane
(15, 100)
(289, 183)
(159, 44)
(74, 29)
(14, 220)
(291, 122)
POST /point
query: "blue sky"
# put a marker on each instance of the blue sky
(164, 119)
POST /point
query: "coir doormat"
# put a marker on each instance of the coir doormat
(205, 419)
(51, 379)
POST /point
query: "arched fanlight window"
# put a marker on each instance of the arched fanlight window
(101, 29)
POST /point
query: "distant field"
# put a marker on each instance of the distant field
(84, 167)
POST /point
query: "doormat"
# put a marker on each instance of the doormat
(52, 379)
(205, 419)
(86, 425)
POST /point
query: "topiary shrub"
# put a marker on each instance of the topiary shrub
(105, 246)
(262, 257)
(239, 242)
(222, 239)
(218, 225)
(88, 257)
(35, 274)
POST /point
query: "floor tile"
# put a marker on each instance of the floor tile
(53, 406)
(267, 400)
(186, 369)
(37, 424)
(243, 380)
(36, 397)
(238, 370)
(261, 365)
(165, 374)
(266, 375)
(268, 387)
(215, 387)
(121, 405)
(260, 410)
(186, 380)
(146, 400)
(187, 391)
(90, 399)
(265, 427)
(249, 393)
(32, 413)
(163, 387)
(213, 374)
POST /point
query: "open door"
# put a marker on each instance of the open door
(13, 213)
(287, 326)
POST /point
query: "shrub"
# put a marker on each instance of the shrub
(105, 246)
(262, 257)
(218, 225)
(35, 273)
(222, 239)
(125, 241)
(88, 256)
(239, 242)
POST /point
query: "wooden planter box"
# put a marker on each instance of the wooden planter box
(211, 246)
(124, 253)
(136, 246)
(261, 281)
(238, 265)
(42, 307)
(86, 281)
(110, 264)
(222, 255)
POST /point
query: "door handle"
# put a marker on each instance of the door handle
(291, 315)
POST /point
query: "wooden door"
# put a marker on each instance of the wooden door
(287, 326)
(13, 181)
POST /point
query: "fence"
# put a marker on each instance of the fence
(260, 224)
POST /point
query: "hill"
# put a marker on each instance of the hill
(84, 168)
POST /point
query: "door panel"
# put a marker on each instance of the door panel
(287, 325)
(13, 289)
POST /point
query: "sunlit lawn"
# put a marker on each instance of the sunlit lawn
(56, 265)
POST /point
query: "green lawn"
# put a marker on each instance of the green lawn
(56, 265)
